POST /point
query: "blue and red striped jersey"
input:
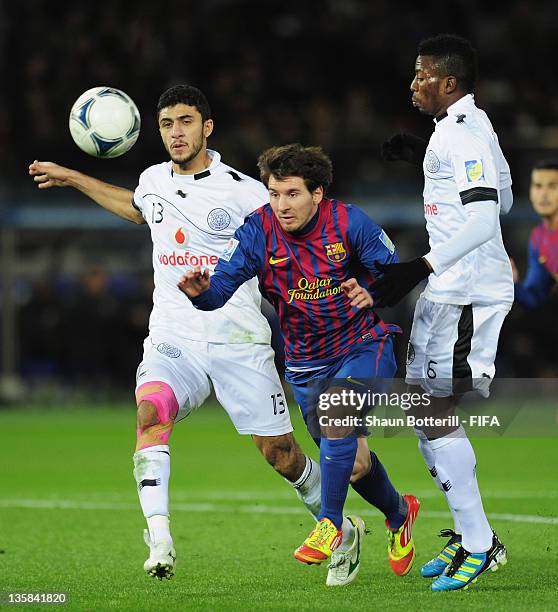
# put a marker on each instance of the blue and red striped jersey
(542, 268)
(301, 275)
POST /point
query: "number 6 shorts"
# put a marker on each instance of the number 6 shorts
(243, 376)
(452, 348)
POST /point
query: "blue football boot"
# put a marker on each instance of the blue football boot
(466, 567)
(435, 567)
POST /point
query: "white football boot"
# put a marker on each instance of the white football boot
(344, 565)
(162, 558)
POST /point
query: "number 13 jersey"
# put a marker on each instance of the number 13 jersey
(192, 218)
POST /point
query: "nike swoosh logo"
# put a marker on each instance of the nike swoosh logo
(274, 261)
(355, 382)
(353, 566)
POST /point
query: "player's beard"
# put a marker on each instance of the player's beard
(184, 159)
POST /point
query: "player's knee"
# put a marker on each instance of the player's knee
(157, 409)
(146, 415)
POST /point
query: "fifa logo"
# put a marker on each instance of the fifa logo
(336, 252)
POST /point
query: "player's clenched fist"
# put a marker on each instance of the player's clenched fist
(359, 296)
(48, 174)
(194, 282)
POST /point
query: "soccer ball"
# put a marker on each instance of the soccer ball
(104, 122)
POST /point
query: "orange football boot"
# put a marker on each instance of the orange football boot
(401, 548)
(319, 545)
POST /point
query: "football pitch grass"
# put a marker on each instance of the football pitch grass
(70, 521)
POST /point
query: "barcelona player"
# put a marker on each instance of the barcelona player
(315, 259)
(542, 270)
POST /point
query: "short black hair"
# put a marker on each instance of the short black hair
(309, 163)
(455, 56)
(185, 94)
(546, 164)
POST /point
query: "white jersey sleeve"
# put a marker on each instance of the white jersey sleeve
(475, 171)
(480, 227)
(505, 197)
(139, 193)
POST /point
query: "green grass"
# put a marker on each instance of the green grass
(236, 523)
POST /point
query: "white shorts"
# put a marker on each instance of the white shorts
(452, 348)
(244, 378)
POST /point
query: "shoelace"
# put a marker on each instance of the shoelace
(340, 559)
(320, 534)
(460, 556)
(447, 533)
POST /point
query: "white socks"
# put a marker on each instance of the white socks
(308, 487)
(152, 472)
(428, 456)
(159, 529)
(455, 464)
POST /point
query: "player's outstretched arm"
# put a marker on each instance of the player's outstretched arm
(207, 293)
(117, 200)
(399, 279)
(241, 260)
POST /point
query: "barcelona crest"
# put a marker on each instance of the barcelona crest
(336, 252)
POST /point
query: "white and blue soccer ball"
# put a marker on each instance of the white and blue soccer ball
(104, 122)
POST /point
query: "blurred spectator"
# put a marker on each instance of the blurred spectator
(334, 73)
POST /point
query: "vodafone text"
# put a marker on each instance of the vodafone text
(187, 259)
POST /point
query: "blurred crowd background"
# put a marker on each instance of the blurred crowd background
(334, 73)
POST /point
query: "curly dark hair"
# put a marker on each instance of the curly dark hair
(309, 163)
(185, 94)
(455, 56)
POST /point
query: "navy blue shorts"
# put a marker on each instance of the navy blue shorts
(371, 366)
